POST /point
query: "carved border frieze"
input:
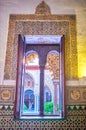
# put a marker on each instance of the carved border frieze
(76, 95)
(42, 25)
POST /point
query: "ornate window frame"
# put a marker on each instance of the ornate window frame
(22, 51)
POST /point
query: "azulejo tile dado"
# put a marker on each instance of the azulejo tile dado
(76, 107)
(6, 107)
(73, 122)
(74, 110)
(68, 107)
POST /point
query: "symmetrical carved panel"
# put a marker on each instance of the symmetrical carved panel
(42, 8)
(7, 95)
(42, 25)
(76, 95)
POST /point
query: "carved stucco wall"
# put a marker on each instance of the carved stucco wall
(45, 24)
(42, 23)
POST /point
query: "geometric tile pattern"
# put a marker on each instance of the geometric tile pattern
(69, 123)
(76, 107)
(74, 120)
(68, 108)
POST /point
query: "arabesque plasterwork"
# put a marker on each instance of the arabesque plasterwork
(42, 25)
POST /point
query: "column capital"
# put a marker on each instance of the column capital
(55, 82)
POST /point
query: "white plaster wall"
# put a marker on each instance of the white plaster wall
(8, 7)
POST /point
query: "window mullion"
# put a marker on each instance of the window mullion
(42, 90)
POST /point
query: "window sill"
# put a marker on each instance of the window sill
(40, 117)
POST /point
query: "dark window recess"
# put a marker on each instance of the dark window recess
(40, 80)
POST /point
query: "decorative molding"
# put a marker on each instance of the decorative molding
(76, 107)
(7, 95)
(76, 95)
(79, 82)
(9, 82)
(6, 107)
(68, 107)
(43, 8)
(42, 25)
(45, 24)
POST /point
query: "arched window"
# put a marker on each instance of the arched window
(47, 94)
(28, 101)
(40, 77)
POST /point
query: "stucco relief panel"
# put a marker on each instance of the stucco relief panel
(76, 95)
(63, 26)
